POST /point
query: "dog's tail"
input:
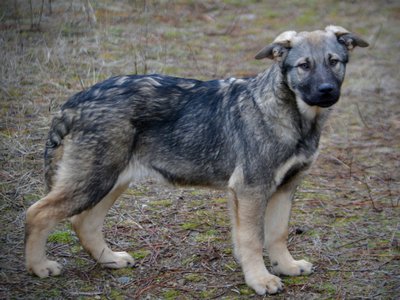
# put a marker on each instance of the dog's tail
(60, 127)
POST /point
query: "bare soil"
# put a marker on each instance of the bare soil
(346, 218)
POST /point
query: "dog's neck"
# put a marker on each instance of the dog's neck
(277, 101)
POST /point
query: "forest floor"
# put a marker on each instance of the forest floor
(346, 217)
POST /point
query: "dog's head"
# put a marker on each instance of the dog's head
(314, 62)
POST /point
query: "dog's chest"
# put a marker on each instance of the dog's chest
(295, 165)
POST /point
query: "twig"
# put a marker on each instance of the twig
(81, 82)
(196, 63)
(360, 270)
(85, 293)
(352, 242)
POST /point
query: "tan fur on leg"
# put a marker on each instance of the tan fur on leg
(41, 218)
(247, 227)
(276, 233)
(88, 226)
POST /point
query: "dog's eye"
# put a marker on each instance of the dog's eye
(333, 62)
(304, 66)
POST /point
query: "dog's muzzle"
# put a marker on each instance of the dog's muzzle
(325, 95)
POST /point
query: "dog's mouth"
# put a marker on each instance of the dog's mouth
(322, 101)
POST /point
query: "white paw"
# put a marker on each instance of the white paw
(45, 268)
(266, 283)
(293, 268)
(117, 260)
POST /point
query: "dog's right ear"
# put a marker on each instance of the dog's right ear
(279, 47)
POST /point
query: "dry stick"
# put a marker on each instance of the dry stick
(30, 5)
(40, 15)
(195, 60)
(370, 195)
(361, 116)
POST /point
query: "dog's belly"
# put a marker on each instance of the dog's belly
(177, 174)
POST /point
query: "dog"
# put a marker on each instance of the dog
(255, 137)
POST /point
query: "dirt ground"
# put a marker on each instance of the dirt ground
(346, 217)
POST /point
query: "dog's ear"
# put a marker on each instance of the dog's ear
(279, 47)
(346, 38)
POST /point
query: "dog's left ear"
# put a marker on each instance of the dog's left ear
(279, 47)
(347, 38)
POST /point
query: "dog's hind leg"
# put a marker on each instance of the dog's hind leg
(41, 218)
(276, 234)
(88, 226)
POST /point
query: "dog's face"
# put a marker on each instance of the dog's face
(314, 63)
(315, 68)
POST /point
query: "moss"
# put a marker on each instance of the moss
(245, 291)
(172, 70)
(190, 225)
(194, 277)
(231, 266)
(190, 260)
(81, 262)
(220, 200)
(197, 192)
(140, 254)
(208, 294)
(171, 294)
(172, 34)
(227, 251)
(296, 280)
(134, 192)
(161, 203)
(344, 221)
(327, 288)
(63, 237)
(31, 197)
(76, 249)
(208, 236)
(116, 295)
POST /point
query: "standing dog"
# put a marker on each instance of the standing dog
(255, 136)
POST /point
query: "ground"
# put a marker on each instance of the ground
(346, 217)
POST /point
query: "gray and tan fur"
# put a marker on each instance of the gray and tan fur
(254, 137)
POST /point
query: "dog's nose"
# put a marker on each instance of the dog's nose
(325, 88)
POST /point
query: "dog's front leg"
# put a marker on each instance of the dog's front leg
(276, 234)
(247, 212)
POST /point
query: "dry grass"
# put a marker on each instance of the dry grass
(346, 219)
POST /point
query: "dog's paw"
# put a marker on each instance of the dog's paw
(266, 283)
(117, 260)
(45, 268)
(293, 268)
